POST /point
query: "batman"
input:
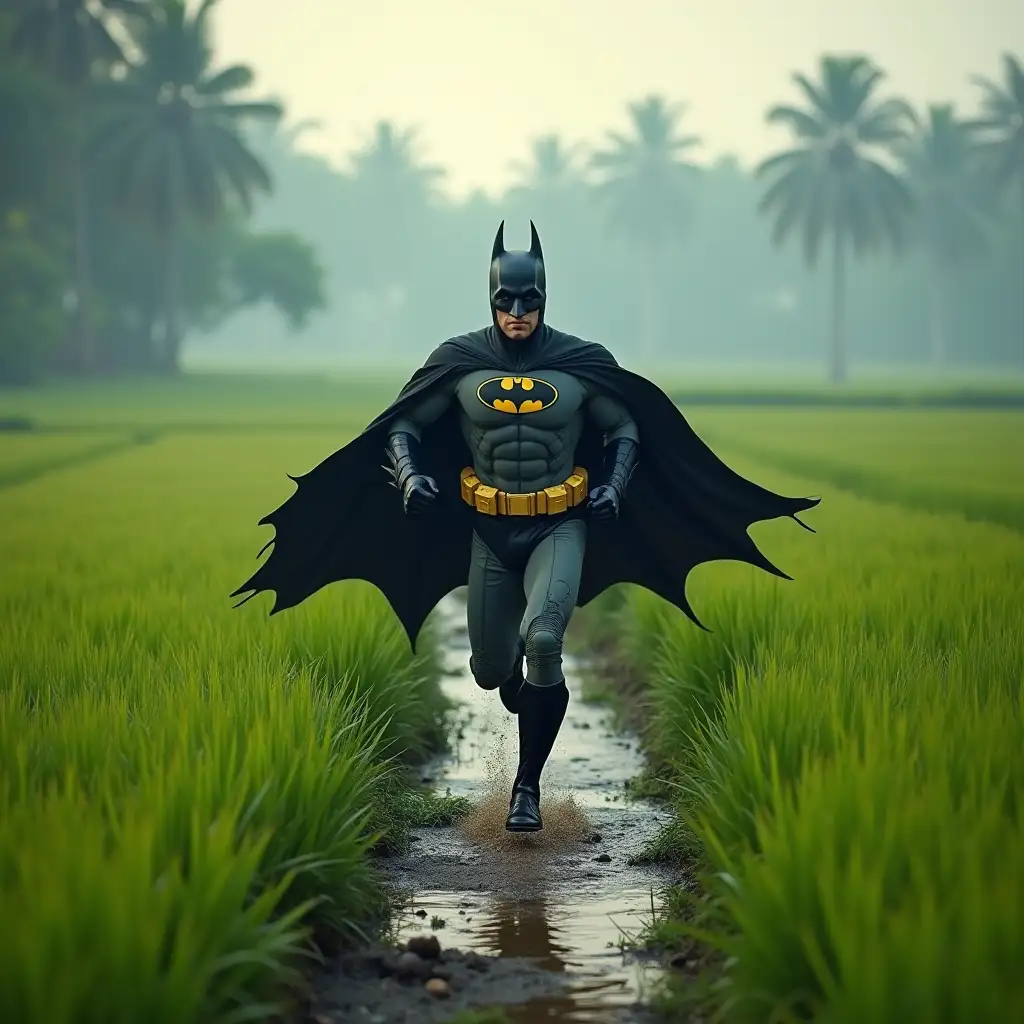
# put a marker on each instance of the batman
(528, 465)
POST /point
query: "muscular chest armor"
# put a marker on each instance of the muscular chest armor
(522, 431)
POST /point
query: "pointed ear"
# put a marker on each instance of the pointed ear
(499, 242)
(535, 249)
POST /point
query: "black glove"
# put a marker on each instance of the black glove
(619, 462)
(418, 490)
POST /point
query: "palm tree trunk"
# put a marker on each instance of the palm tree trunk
(937, 309)
(84, 351)
(838, 354)
(168, 357)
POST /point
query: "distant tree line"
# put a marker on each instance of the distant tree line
(916, 218)
(125, 186)
(127, 219)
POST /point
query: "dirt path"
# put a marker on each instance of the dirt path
(550, 907)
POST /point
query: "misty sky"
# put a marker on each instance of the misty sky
(482, 77)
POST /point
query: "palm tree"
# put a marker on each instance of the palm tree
(389, 164)
(550, 188)
(171, 135)
(644, 184)
(1001, 127)
(393, 191)
(550, 184)
(551, 169)
(1000, 130)
(837, 180)
(950, 221)
(69, 38)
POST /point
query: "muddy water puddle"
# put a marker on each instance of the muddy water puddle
(562, 897)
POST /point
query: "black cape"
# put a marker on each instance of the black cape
(345, 520)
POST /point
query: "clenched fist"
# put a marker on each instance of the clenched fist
(418, 493)
(604, 503)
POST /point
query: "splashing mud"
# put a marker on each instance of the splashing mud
(561, 898)
(565, 822)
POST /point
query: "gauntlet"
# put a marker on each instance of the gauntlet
(418, 490)
(619, 463)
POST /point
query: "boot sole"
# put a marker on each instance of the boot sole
(524, 828)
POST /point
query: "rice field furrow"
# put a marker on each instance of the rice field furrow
(877, 485)
(27, 457)
(966, 462)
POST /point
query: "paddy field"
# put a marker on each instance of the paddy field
(190, 794)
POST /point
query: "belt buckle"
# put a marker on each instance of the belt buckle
(520, 504)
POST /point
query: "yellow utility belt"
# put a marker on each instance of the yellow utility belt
(549, 501)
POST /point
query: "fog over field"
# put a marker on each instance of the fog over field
(390, 139)
(471, 141)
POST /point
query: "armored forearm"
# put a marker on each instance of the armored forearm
(403, 449)
(621, 442)
(620, 456)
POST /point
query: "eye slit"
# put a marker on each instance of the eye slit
(532, 295)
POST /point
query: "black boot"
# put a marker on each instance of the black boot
(541, 710)
(509, 690)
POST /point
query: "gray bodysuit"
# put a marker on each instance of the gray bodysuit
(521, 435)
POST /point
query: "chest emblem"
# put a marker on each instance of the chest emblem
(517, 394)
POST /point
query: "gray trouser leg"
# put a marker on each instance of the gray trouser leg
(494, 610)
(552, 583)
(536, 604)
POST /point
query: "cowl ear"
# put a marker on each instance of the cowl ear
(535, 249)
(498, 248)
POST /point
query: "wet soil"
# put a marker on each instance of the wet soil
(529, 922)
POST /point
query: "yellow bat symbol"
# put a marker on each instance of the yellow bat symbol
(517, 394)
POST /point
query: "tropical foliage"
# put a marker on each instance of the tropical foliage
(70, 39)
(669, 264)
(1000, 132)
(1001, 126)
(836, 182)
(952, 209)
(168, 140)
(644, 184)
(553, 167)
(148, 231)
(150, 151)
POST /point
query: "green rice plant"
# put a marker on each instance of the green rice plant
(371, 651)
(885, 885)
(847, 749)
(221, 759)
(299, 753)
(100, 926)
(428, 809)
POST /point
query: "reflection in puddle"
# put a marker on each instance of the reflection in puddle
(571, 939)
